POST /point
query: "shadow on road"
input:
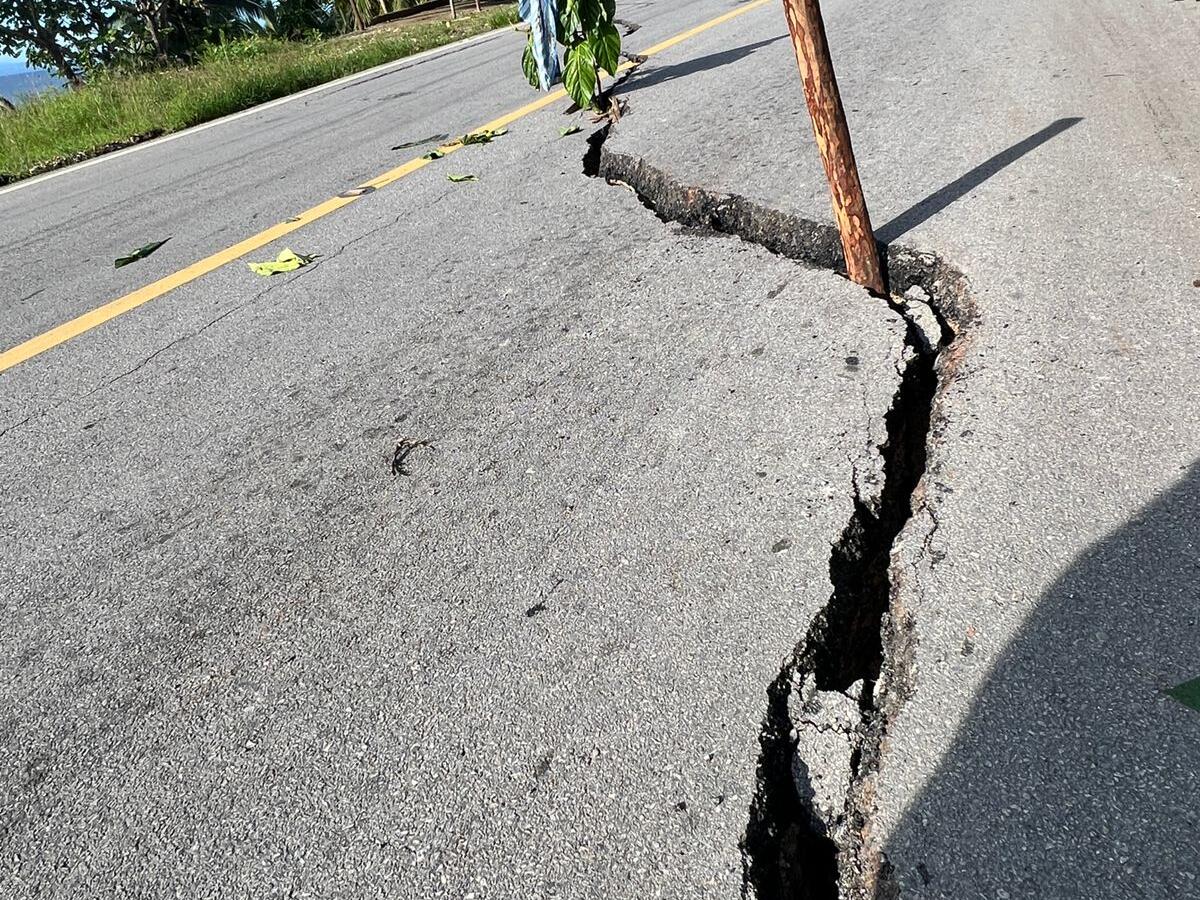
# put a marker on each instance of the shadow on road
(960, 187)
(648, 77)
(1073, 776)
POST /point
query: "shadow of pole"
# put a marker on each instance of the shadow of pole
(943, 197)
(651, 76)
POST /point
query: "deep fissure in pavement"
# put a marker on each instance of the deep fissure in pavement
(856, 655)
(816, 245)
(791, 848)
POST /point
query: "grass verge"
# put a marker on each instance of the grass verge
(114, 111)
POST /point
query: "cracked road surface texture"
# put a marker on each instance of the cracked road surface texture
(1050, 575)
(242, 657)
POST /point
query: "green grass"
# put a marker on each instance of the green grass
(60, 128)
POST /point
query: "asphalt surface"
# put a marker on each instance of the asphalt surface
(1051, 575)
(243, 657)
(213, 188)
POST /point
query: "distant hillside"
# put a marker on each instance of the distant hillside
(19, 85)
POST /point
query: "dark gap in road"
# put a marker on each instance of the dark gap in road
(813, 244)
(791, 848)
(595, 147)
(858, 647)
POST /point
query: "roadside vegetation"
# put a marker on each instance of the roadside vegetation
(142, 87)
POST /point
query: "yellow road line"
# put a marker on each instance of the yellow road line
(96, 317)
(703, 27)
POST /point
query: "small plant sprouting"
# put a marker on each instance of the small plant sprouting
(591, 43)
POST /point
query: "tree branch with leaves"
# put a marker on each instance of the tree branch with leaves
(591, 44)
(53, 34)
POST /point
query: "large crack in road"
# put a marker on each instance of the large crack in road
(808, 833)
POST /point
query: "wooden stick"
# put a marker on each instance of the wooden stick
(833, 140)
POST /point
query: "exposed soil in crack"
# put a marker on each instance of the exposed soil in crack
(850, 674)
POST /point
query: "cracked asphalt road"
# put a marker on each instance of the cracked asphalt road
(243, 658)
(1050, 576)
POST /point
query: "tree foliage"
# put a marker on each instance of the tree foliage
(162, 31)
(75, 38)
(591, 42)
(54, 34)
(295, 19)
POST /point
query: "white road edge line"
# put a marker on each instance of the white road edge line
(253, 110)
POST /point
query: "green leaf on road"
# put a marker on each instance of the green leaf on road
(139, 253)
(1187, 693)
(484, 136)
(570, 129)
(579, 74)
(434, 154)
(606, 46)
(286, 261)
(460, 178)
